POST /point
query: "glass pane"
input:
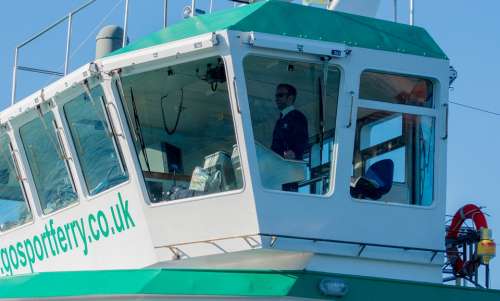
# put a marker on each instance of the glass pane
(293, 123)
(96, 149)
(50, 173)
(393, 88)
(381, 131)
(14, 210)
(398, 158)
(393, 167)
(183, 130)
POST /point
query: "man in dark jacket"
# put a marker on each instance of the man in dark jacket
(290, 135)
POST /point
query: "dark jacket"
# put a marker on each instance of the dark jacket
(291, 133)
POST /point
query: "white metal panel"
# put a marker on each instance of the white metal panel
(338, 216)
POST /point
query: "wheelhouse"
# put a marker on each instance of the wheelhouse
(163, 150)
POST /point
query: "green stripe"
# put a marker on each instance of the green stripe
(279, 284)
(288, 19)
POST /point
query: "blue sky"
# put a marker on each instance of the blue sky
(468, 31)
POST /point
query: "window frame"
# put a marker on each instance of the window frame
(334, 146)
(72, 174)
(72, 144)
(233, 103)
(432, 112)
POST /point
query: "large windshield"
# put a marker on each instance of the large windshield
(183, 130)
(293, 106)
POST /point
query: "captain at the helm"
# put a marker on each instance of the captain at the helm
(293, 108)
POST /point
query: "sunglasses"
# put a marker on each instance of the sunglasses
(279, 95)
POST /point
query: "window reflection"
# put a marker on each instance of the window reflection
(396, 89)
(407, 141)
(14, 210)
(46, 161)
(96, 149)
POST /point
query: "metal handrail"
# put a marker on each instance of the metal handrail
(274, 238)
(363, 245)
(16, 67)
(69, 19)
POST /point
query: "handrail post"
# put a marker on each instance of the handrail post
(412, 12)
(16, 66)
(68, 43)
(14, 77)
(193, 7)
(395, 10)
(165, 11)
(125, 25)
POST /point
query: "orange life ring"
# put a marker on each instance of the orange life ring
(469, 211)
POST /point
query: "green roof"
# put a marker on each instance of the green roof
(270, 284)
(288, 19)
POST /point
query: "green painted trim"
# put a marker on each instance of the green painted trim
(241, 283)
(288, 19)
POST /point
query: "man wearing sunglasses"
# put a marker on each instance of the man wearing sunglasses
(290, 135)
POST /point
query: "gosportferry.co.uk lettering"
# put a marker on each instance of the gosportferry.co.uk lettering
(60, 239)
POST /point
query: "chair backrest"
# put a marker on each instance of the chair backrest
(382, 172)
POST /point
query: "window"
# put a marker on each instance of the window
(393, 88)
(97, 151)
(47, 163)
(394, 151)
(14, 210)
(385, 131)
(293, 109)
(183, 130)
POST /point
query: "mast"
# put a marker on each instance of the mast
(412, 12)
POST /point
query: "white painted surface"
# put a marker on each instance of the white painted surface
(192, 225)
(357, 7)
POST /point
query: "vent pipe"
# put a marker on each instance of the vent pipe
(109, 39)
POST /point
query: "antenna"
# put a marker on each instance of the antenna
(396, 11)
(165, 10)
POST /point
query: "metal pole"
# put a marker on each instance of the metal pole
(35, 36)
(54, 24)
(412, 13)
(487, 280)
(165, 11)
(211, 5)
(14, 77)
(395, 10)
(193, 7)
(68, 43)
(125, 24)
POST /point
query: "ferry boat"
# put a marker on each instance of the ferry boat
(164, 170)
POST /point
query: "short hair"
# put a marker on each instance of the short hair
(289, 88)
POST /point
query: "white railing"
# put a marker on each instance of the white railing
(69, 20)
(191, 10)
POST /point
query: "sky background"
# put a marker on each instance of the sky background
(468, 32)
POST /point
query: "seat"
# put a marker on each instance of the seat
(376, 182)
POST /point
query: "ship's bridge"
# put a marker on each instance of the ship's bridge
(271, 136)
